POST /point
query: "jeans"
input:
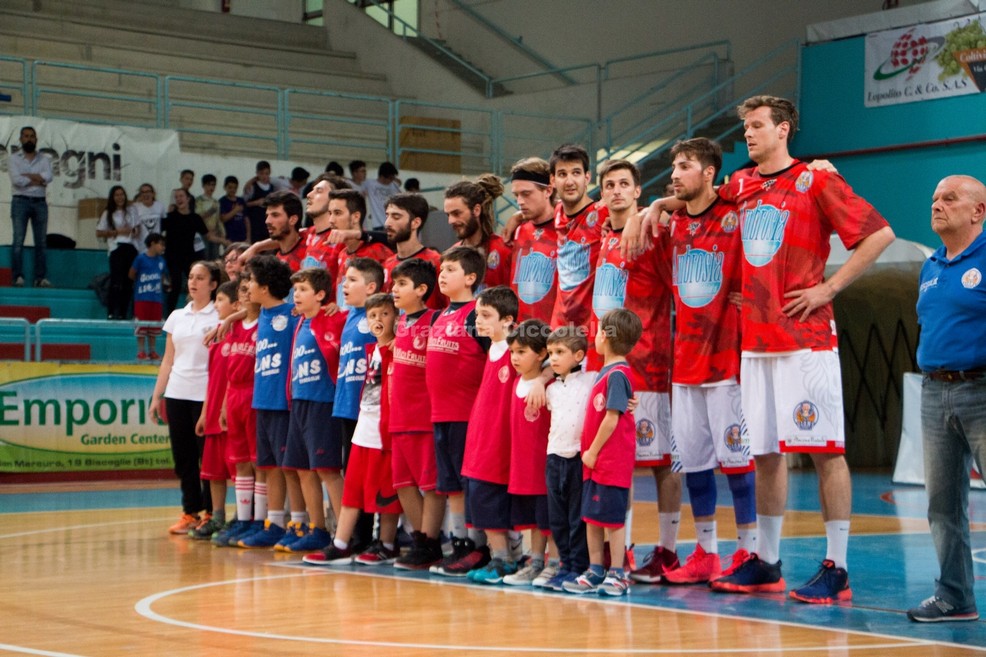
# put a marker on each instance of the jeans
(35, 210)
(564, 480)
(953, 424)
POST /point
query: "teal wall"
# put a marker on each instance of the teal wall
(899, 183)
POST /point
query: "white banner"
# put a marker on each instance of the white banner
(925, 62)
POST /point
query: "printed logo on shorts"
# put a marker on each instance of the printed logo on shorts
(646, 433)
(803, 184)
(503, 374)
(729, 222)
(971, 278)
(733, 438)
(279, 323)
(806, 415)
(599, 402)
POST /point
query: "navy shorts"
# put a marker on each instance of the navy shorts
(272, 438)
(487, 505)
(450, 446)
(529, 512)
(604, 506)
(314, 439)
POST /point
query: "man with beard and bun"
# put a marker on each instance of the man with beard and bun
(469, 206)
(535, 242)
(406, 214)
(347, 209)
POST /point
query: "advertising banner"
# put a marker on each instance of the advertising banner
(61, 417)
(926, 62)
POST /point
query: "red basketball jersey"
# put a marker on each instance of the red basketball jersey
(242, 343)
(436, 300)
(499, 257)
(410, 404)
(296, 255)
(528, 446)
(454, 367)
(377, 252)
(487, 455)
(535, 276)
(319, 253)
(216, 388)
(614, 467)
(578, 252)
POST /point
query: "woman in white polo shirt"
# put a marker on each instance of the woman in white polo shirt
(181, 383)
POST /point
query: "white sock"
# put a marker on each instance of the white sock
(747, 539)
(478, 537)
(244, 498)
(837, 546)
(706, 534)
(260, 501)
(769, 548)
(457, 522)
(276, 518)
(669, 523)
(628, 526)
(299, 517)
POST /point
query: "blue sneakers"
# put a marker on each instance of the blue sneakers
(754, 576)
(295, 531)
(829, 585)
(493, 572)
(587, 582)
(238, 529)
(316, 539)
(266, 538)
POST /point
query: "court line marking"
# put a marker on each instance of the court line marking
(143, 607)
(33, 651)
(63, 528)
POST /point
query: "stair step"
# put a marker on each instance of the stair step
(30, 313)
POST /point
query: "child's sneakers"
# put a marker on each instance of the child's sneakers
(493, 572)
(330, 556)
(186, 523)
(829, 585)
(316, 539)
(233, 532)
(265, 538)
(525, 576)
(295, 531)
(587, 582)
(546, 575)
(655, 566)
(424, 553)
(753, 576)
(700, 567)
(465, 557)
(377, 554)
(615, 584)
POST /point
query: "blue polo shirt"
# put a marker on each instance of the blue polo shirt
(951, 310)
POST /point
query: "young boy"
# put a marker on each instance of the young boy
(456, 358)
(231, 212)
(413, 434)
(369, 484)
(241, 423)
(486, 459)
(216, 469)
(608, 444)
(314, 446)
(150, 273)
(270, 282)
(567, 399)
(208, 208)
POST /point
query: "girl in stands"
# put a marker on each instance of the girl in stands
(118, 225)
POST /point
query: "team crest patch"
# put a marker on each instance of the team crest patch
(503, 374)
(803, 183)
(806, 415)
(538, 232)
(279, 323)
(329, 336)
(599, 402)
(493, 260)
(693, 228)
(419, 342)
(363, 326)
(733, 438)
(224, 349)
(971, 278)
(592, 219)
(612, 242)
(729, 222)
(767, 184)
(532, 415)
(646, 433)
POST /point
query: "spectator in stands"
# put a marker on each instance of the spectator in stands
(231, 259)
(186, 179)
(335, 168)
(150, 212)
(357, 174)
(30, 173)
(180, 228)
(412, 185)
(255, 191)
(231, 212)
(378, 191)
(181, 384)
(118, 225)
(208, 209)
(298, 180)
(150, 275)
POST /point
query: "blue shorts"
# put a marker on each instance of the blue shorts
(450, 446)
(604, 506)
(272, 438)
(314, 441)
(487, 505)
(529, 512)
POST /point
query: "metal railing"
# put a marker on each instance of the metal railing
(16, 326)
(108, 340)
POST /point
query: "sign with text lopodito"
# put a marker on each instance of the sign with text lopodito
(61, 417)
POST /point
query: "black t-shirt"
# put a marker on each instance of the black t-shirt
(180, 229)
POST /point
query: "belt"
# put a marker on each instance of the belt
(952, 377)
(29, 198)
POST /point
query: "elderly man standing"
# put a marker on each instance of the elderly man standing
(952, 355)
(30, 173)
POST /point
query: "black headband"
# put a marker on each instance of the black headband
(538, 178)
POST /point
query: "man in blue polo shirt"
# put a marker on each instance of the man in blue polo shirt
(952, 354)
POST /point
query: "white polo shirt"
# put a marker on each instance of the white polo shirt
(190, 371)
(567, 401)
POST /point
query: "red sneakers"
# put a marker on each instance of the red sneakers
(700, 567)
(656, 565)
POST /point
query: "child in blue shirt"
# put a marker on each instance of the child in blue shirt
(150, 275)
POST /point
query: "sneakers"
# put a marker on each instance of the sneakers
(739, 556)
(546, 575)
(265, 538)
(936, 610)
(141, 355)
(19, 281)
(465, 557)
(206, 528)
(154, 356)
(587, 582)
(377, 555)
(317, 538)
(493, 572)
(295, 531)
(186, 523)
(232, 533)
(655, 565)
(829, 585)
(615, 584)
(424, 553)
(525, 576)
(753, 576)
(42, 282)
(700, 567)
(330, 556)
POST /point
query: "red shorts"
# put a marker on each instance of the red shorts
(368, 484)
(414, 460)
(215, 467)
(241, 426)
(148, 311)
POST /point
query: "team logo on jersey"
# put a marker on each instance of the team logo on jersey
(573, 265)
(363, 326)
(806, 415)
(609, 290)
(329, 336)
(693, 227)
(599, 402)
(279, 323)
(733, 438)
(803, 183)
(613, 241)
(767, 184)
(971, 278)
(420, 342)
(538, 232)
(535, 277)
(763, 232)
(503, 374)
(451, 330)
(646, 432)
(729, 222)
(591, 219)
(698, 276)
(492, 260)
(532, 415)
(224, 349)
